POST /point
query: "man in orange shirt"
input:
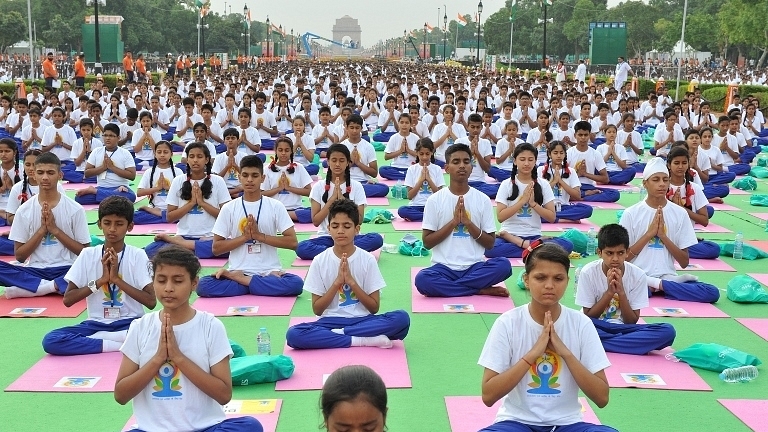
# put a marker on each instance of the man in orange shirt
(187, 66)
(128, 67)
(80, 71)
(200, 65)
(141, 68)
(49, 70)
(179, 67)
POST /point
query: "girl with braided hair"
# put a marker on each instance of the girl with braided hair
(288, 181)
(565, 185)
(156, 186)
(9, 173)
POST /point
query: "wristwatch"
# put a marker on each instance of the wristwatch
(92, 286)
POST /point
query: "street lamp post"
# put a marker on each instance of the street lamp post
(293, 53)
(424, 47)
(97, 65)
(479, 12)
(445, 28)
(282, 47)
(247, 31)
(269, 37)
(405, 47)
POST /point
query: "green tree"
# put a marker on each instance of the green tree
(576, 29)
(743, 23)
(14, 28)
(640, 19)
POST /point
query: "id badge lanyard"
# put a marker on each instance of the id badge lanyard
(113, 288)
(258, 214)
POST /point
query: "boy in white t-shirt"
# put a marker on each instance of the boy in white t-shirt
(164, 349)
(345, 282)
(459, 227)
(186, 122)
(227, 165)
(660, 234)
(116, 291)
(113, 167)
(481, 156)
(53, 234)
(58, 139)
(612, 292)
(387, 122)
(590, 167)
(264, 122)
(364, 164)
(81, 150)
(247, 228)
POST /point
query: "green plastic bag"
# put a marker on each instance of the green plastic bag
(260, 369)
(759, 172)
(378, 216)
(745, 289)
(412, 246)
(746, 183)
(378, 146)
(520, 283)
(236, 349)
(762, 161)
(751, 253)
(95, 241)
(715, 357)
(758, 200)
(578, 238)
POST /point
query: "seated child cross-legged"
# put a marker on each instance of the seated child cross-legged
(458, 226)
(587, 162)
(156, 185)
(288, 181)
(523, 201)
(194, 201)
(345, 283)
(538, 356)
(323, 195)
(116, 291)
(363, 159)
(175, 363)
(113, 168)
(615, 158)
(565, 185)
(421, 180)
(481, 156)
(50, 232)
(613, 291)
(660, 234)
(227, 164)
(401, 148)
(247, 229)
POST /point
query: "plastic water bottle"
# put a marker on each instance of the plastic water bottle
(263, 343)
(738, 246)
(739, 374)
(397, 192)
(577, 273)
(591, 242)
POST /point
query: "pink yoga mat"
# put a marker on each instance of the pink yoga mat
(5, 229)
(724, 207)
(306, 263)
(76, 186)
(377, 201)
(750, 411)
(735, 191)
(603, 205)
(90, 207)
(695, 264)
(84, 373)
(760, 277)
(400, 224)
(213, 262)
(313, 366)
(467, 304)
(621, 188)
(659, 306)
(758, 325)
(249, 305)
(763, 216)
(469, 413)
(304, 227)
(49, 306)
(268, 420)
(585, 225)
(760, 244)
(711, 228)
(8, 258)
(652, 371)
(153, 229)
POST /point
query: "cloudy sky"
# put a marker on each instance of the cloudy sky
(378, 19)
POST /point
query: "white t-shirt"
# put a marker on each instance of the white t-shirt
(484, 147)
(593, 283)
(67, 137)
(560, 195)
(611, 164)
(25, 134)
(122, 159)
(636, 139)
(77, 148)
(591, 158)
(698, 199)
(367, 155)
(534, 401)
(654, 258)
(395, 143)
(298, 156)
(714, 156)
(732, 144)
(267, 120)
(148, 180)
(662, 134)
(533, 137)
(356, 194)
(317, 131)
(439, 211)
(300, 179)
(501, 147)
(171, 402)
(517, 114)
(526, 222)
(232, 178)
(272, 218)
(134, 268)
(181, 123)
(125, 128)
(559, 134)
(70, 218)
(439, 130)
(387, 122)
(198, 222)
(14, 197)
(414, 173)
(147, 151)
(324, 270)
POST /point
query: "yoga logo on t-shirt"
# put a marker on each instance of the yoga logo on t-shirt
(233, 174)
(525, 211)
(544, 374)
(49, 240)
(196, 209)
(655, 242)
(347, 297)
(461, 229)
(97, 132)
(146, 145)
(425, 188)
(108, 300)
(611, 311)
(167, 381)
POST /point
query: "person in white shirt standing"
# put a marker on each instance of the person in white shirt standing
(622, 72)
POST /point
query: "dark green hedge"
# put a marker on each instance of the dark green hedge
(109, 81)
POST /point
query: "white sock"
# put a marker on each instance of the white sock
(338, 331)
(375, 341)
(117, 336)
(110, 346)
(653, 282)
(46, 287)
(16, 292)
